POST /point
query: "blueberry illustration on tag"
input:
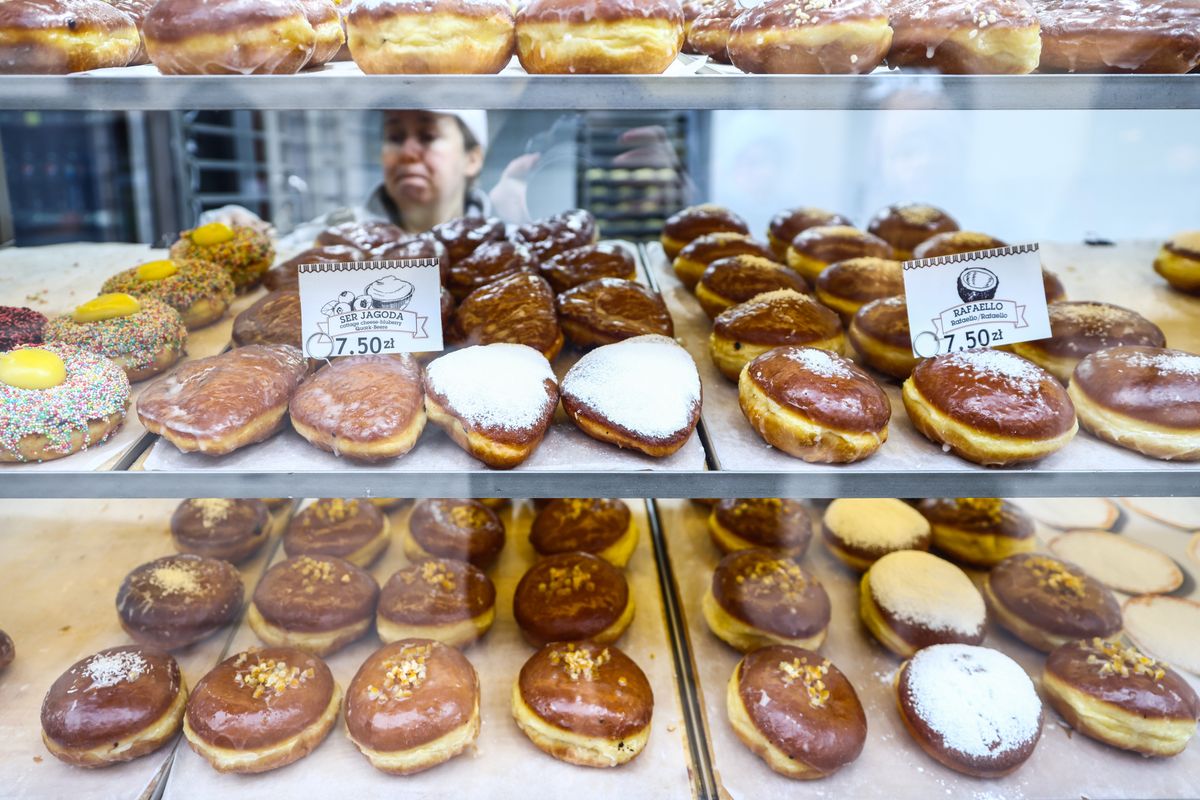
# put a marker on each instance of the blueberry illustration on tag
(977, 283)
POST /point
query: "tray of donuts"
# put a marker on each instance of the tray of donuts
(90, 337)
(427, 649)
(124, 605)
(864, 654)
(514, 297)
(771, 322)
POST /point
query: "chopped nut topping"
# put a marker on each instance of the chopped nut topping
(315, 570)
(273, 677)
(564, 581)
(918, 214)
(402, 677)
(1114, 658)
(212, 510)
(335, 510)
(176, 578)
(579, 663)
(986, 507)
(1054, 576)
(811, 675)
(469, 517)
(436, 574)
(777, 573)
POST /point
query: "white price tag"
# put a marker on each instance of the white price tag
(371, 307)
(981, 299)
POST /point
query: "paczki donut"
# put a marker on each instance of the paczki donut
(229, 37)
(459, 529)
(572, 597)
(517, 309)
(231, 530)
(452, 602)
(770, 522)
(790, 223)
(367, 236)
(707, 34)
(860, 531)
(571, 268)
(610, 310)
(1079, 329)
(273, 319)
(462, 235)
(761, 597)
(988, 37)
(329, 36)
(691, 223)
(199, 291)
(906, 225)
(431, 37)
(880, 335)
(286, 276)
(814, 249)
(174, 601)
(1130, 36)
(488, 263)
(558, 233)
(144, 336)
(728, 282)
(55, 37)
(774, 319)
(1179, 262)
(693, 259)
(355, 530)
(607, 37)
(810, 37)
(601, 526)
(849, 285)
(978, 532)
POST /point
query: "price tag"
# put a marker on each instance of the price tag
(982, 299)
(371, 307)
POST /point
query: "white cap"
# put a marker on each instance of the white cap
(476, 122)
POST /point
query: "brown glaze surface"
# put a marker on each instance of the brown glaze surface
(713, 246)
(1055, 596)
(559, 233)
(740, 278)
(708, 33)
(423, 246)
(365, 236)
(273, 319)
(831, 244)
(781, 317)
(386, 10)
(1151, 384)
(996, 392)
(285, 276)
(790, 223)
(787, 14)
(1115, 673)
(1103, 36)
(767, 522)
(832, 391)
(517, 309)
(462, 235)
(803, 705)
(332, 527)
(576, 13)
(771, 591)
(316, 594)
(177, 20)
(979, 515)
(885, 320)
(361, 398)
(109, 696)
(488, 263)
(576, 524)
(259, 698)
(956, 242)
(463, 530)
(410, 693)
(906, 225)
(612, 309)
(76, 16)
(569, 597)
(210, 526)
(1080, 329)
(862, 279)
(582, 264)
(587, 689)
(692, 223)
(176, 600)
(436, 592)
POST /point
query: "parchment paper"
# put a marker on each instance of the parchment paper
(1119, 275)
(503, 764)
(64, 561)
(892, 765)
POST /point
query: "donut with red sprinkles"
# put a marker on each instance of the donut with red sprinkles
(20, 326)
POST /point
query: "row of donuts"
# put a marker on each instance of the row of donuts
(801, 715)
(778, 342)
(560, 37)
(267, 707)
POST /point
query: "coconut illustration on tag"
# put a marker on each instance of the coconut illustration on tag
(390, 292)
(977, 283)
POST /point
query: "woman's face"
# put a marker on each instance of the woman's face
(425, 160)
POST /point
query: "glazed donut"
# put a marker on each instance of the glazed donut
(1120, 696)
(1080, 329)
(20, 326)
(693, 259)
(559, 233)
(57, 400)
(55, 37)
(488, 263)
(199, 291)
(462, 235)
(613, 37)
(137, 10)
(351, 529)
(114, 706)
(1055, 292)
(609, 310)
(910, 600)
(231, 530)
(880, 334)
(771, 522)
(978, 532)
(365, 407)
(784, 317)
(1142, 398)
(174, 601)
(438, 37)
(600, 526)
(1046, 602)
(316, 604)
(588, 263)
(790, 223)
(365, 236)
(584, 703)
(688, 225)
(1179, 262)
(796, 711)
(452, 602)
(262, 709)
(728, 282)
(816, 248)
(219, 404)
(810, 37)
(143, 336)
(989, 37)
(859, 532)
(814, 405)
(1102, 36)
(906, 225)
(462, 530)
(691, 10)
(501, 425)
(517, 309)
(229, 37)
(990, 407)
(570, 597)
(242, 251)
(849, 285)
(326, 22)
(423, 246)
(972, 709)
(760, 597)
(954, 242)
(285, 276)
(273, 319)
(708, 33)
(431, 687)
(642, 393)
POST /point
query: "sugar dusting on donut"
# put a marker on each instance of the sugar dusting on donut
(925, 590)
(978, 701)
(111, 667)
(1017, 374)
(1166, 362)
(820, 362)
(494, 386)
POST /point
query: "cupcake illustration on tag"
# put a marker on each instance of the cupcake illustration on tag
(390, 292)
